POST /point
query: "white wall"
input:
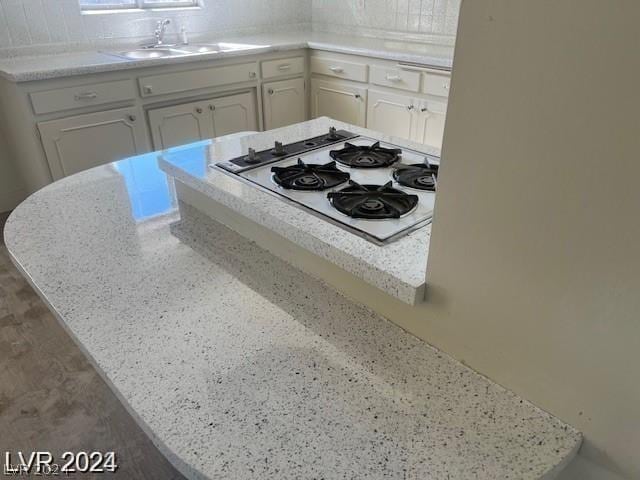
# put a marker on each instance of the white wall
(28, 23)
(406, 18)
(534, 269)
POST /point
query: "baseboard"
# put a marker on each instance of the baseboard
(10, 199)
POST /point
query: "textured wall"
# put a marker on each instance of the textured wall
(377, 17)
(25, 23)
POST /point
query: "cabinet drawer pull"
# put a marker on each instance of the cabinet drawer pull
(410, 107)
(445, 86)
(253, 74)
(212, 107)
(394, 78)
(148, 89)
(336, 69)
(132, 118)
(86, 96)
(357, 96)
(424, 109)
(270, 91)
(284, 67)
(198, 110)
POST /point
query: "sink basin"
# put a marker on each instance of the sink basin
(145, 53)
(182, 50)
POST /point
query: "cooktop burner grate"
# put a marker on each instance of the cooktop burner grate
(419, 175)
(373, 202)
(366, 156)
(309, 177)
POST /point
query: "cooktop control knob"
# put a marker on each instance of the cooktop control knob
(279, 150)
(252, 157)
(333, 134)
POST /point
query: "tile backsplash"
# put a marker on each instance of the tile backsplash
(29, 25)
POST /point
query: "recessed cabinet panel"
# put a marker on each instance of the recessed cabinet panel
(284, 103)
(391, 114)
(232, 114)
(343, 102)
(431, 123)
(193, 121)
(179, 124)
(281, 67)
(85, 141)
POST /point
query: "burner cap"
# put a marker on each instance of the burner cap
(372, 202)
(421, 176)
(366, 156)
(309, 177)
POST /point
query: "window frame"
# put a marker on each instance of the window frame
(142, 5)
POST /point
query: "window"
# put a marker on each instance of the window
(122, 4)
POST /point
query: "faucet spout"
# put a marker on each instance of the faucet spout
(161, 28)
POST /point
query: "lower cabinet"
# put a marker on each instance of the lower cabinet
(215, 117)
(340, 101)
(391, 113)
(430, 127)
(416, 119)
(284, 103)
(77, 143)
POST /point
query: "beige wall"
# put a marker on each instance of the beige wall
(534, 266)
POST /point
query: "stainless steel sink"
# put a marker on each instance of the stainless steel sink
(172, 51)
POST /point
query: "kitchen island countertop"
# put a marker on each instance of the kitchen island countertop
(237, 365)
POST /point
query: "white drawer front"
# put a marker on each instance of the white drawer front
(196, 79)
(82, 96)
(285, 66)
(438, 85)
(395, 78)
(331, 67)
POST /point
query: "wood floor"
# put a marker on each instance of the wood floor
(51, 398)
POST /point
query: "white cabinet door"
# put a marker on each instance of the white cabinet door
(77, 143)
(391, 113)
(232, 114)
(431, 121)
(284, 103)
(179, 124)
(343, 102)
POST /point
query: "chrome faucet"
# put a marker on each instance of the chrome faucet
(161, 28)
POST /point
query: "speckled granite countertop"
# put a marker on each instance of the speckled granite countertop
(239, 366)
(41, 67)
(398, 268)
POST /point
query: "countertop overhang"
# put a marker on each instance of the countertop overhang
(48, 66)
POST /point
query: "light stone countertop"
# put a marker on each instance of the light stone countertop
(47, 66)
(237, 365)
(398, 268)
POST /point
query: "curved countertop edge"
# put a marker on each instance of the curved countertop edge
(45, 66)
(183, 467)
(573, 439)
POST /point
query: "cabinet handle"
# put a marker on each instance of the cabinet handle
(336, 69)
(86, 96)
(357, 96)
(132, 118)
(198, 110)
(424, 109)
(212, 107)
(394, 78)
(270, 91)
(148, 89)
(252, 74)
(410, 107)
(445, 86)
(285, 66)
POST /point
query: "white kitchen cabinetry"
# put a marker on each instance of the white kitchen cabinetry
(77, 143)
(340, 101)
(431, 120)
(420, 120)
(215, 117)
(391, 113)
(284, 103)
